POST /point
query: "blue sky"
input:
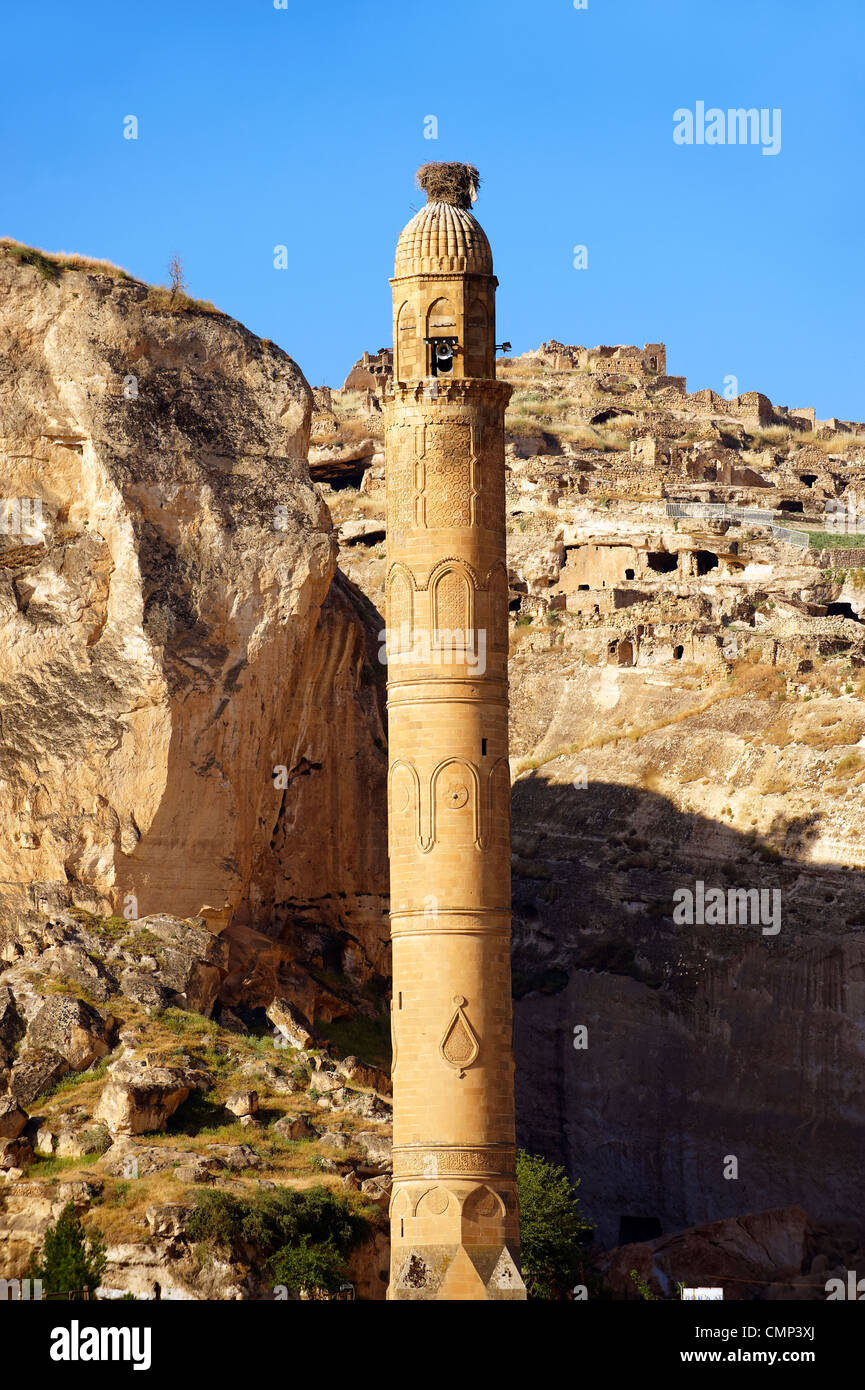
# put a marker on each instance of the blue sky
(303, 126)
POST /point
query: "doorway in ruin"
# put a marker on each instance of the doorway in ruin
(625, 653)
(842, 610)
(661, 562)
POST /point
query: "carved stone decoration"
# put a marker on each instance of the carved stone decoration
(448, 491)
(456, 796)
(435, 1202)
(459, 1047)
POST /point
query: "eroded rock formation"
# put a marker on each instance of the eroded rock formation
(190, 704)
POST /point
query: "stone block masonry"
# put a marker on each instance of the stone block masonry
(454, 1211)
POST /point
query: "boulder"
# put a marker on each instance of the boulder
(330, 1099)
(198, 1170)
(361, 1074)
(81, 1191)
(69, 962)
(295, 1127)
(366, 532)
(143, 990)
(292, 1024)
(193, 961)
(367, 1106)
(341, 461)
(35, 1072)
(280, 1083)
(167, 1220)
(71, 1028)
(15, 1153)
(139, 1098)
(377, 1147)
(242, 1103)
(44, 1141)
(78, 1142)
(12, 1118)
(12, 1026)
(325, 1082)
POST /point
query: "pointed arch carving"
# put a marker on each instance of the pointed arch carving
(454, 790)
(452, 605)
(477, 339)
(401, 588)
(404, 802)
(497, 597)
(407, 367)
(484, 1204)
(441, 318)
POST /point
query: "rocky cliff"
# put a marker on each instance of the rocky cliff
(189, 705)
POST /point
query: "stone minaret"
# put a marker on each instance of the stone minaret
(454, 1214)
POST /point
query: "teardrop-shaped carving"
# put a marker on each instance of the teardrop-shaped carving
(459, 1047)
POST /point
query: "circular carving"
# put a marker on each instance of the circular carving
(456, 796)
(435, 1201)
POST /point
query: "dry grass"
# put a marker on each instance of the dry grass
(788, 434)
(160, 299)
(850, 765)
(832, 733)
(51, 264)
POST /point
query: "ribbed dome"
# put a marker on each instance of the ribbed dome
(441, 238)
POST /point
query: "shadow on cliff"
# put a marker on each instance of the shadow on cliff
(719, 1070)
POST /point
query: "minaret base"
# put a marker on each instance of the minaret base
(459, 1273)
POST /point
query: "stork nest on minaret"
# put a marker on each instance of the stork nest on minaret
(449, 183)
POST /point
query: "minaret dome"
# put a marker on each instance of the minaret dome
(443, 285)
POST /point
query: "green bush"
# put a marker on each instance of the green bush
(70, 1264)
(301, 1237)
(307, 1266)
(554, 1235)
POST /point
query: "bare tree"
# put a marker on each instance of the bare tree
(175, 273)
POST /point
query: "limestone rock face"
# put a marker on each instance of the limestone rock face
(168, 631)
(742, 1255)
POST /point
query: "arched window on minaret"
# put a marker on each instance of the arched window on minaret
(441, 335)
